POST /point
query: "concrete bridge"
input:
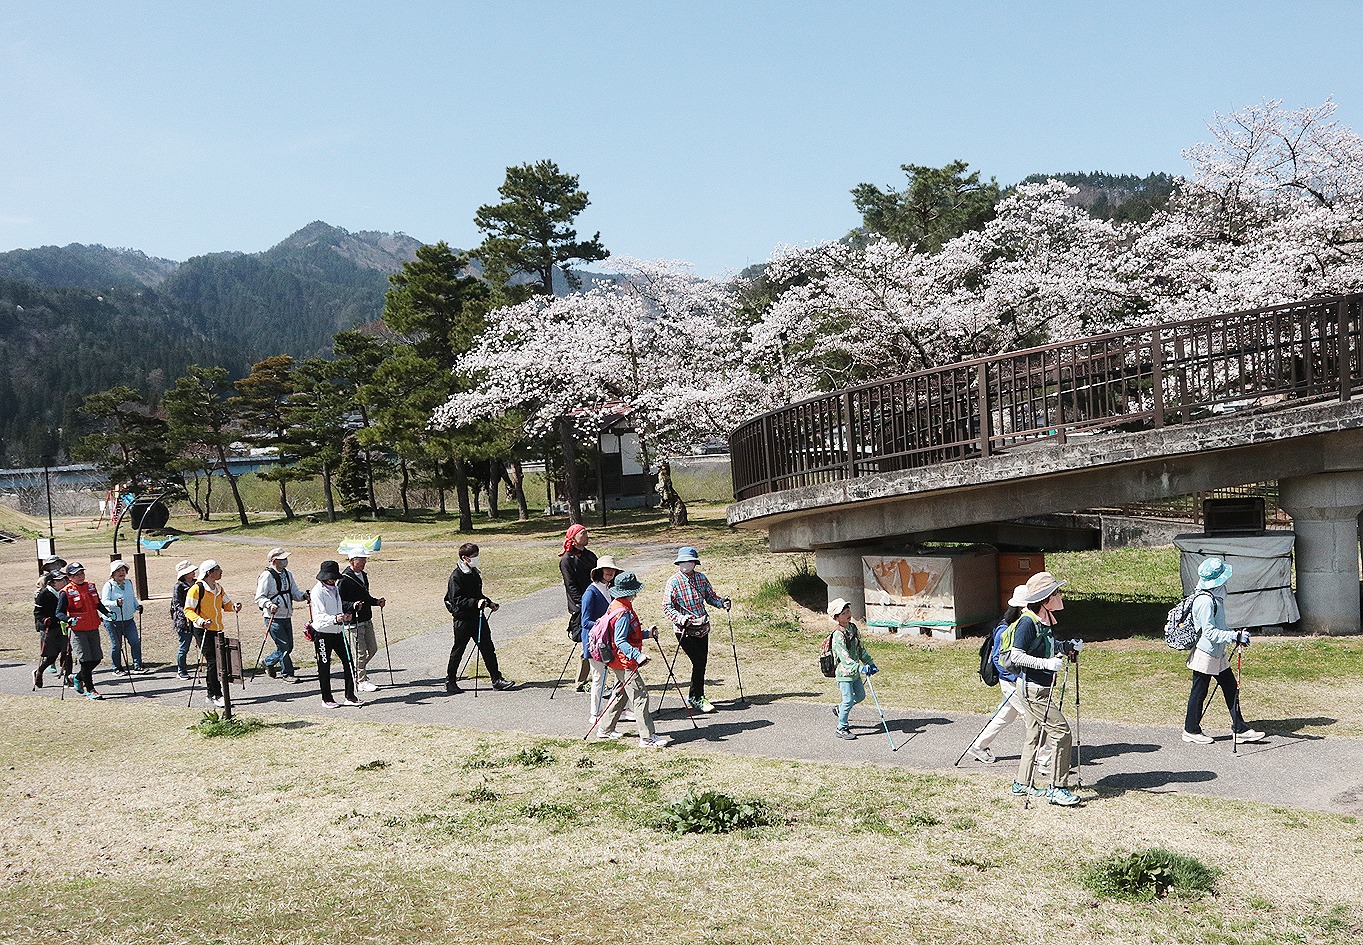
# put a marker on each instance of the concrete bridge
(979, 450)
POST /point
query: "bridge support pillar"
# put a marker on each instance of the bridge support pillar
(840, 569)
(1325, 515)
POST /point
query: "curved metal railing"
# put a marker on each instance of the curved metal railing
(1130, 380)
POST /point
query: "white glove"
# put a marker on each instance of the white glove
(1055, 664)
(1242, 637)
(203, 623)
(1078, 645)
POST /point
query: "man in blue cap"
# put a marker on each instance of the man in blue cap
(684, 600)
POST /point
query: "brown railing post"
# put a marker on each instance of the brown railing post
(1157, 375)
(982, 379)
(1181, 359)
(849, 441)
(1345, 361)
(767, 462)
(1059, 401)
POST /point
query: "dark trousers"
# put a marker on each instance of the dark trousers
(208, 646)
(1198, 697)
(697, 650)
(463, 633)
(327, 644)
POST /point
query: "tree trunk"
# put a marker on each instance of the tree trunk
(565, 433)
(232, 483)
(676, 508)
(284, 501)
(461, 486)
(369, 481)
(402, 490)
(495, 470)
(326, 490)
(440, 491)
(518, 490)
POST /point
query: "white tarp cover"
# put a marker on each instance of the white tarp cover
(1259, 592)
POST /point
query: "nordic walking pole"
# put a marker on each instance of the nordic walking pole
(1234, 735)
(227, 670)
(127, 665)
(671, 676)
(1078, 739)
(970, 743)
(383, 622)
(478, 649)
(199, 645)
(872, 686)
(734, 646)
(564, 672)
(605, 708)
(261, 654)
(686, 704)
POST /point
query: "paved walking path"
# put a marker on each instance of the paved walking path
(1287, 769)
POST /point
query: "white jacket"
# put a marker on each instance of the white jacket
(326, 608)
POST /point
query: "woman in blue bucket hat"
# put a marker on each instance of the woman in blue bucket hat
(1208, 658)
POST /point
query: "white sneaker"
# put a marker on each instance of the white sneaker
(1197, 738)
(610, 736)
(1250, 735)
(218, 701)
(367, 686)
(657, 741)
(982, 755)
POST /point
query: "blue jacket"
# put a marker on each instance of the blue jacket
(1209, 616)
(595, 603)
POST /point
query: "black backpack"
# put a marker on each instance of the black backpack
(988, 671)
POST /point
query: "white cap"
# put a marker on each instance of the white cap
(207, 566)
(116, 566)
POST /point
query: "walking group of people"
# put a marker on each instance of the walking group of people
(1026, 655)
(68, 612)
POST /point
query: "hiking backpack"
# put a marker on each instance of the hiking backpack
(1180, 633)
(988, 671)
(828, 664)
(601, 640)
(1006, 643)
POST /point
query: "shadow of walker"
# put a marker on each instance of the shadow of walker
(1114, 785)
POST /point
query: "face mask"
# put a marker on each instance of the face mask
(687, 567)
(473, 562)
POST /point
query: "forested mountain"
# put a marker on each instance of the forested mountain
(1124, 198)
(293, 297)
(84, 267)
(76, 320)
(61, 344)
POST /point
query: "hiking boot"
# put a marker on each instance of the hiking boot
(610, 736)
(982, 754)
(702, 704)
(272, 670)
(1250, 735)
(846, 733)
(37, 679)
(453, 689)
(80, 686)
(140, 669)
(503, 685)
(580, 687)
(1062, 797)
(367, 686)
(291, 678)
(182, 675)
(657, 741)
(92, 694)
(1197, 738)
(1022, 790)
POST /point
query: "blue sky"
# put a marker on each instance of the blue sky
(708, 132)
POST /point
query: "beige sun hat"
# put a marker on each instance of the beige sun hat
(1019, 598)
(276, 554)
(185, 567)
(1041, 586)
(603, 562)
(837, 605)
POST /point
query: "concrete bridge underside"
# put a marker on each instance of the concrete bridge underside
(1315, 453)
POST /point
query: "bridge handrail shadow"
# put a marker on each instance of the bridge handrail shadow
(1138, 379)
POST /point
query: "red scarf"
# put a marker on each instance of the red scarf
(573, 532)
